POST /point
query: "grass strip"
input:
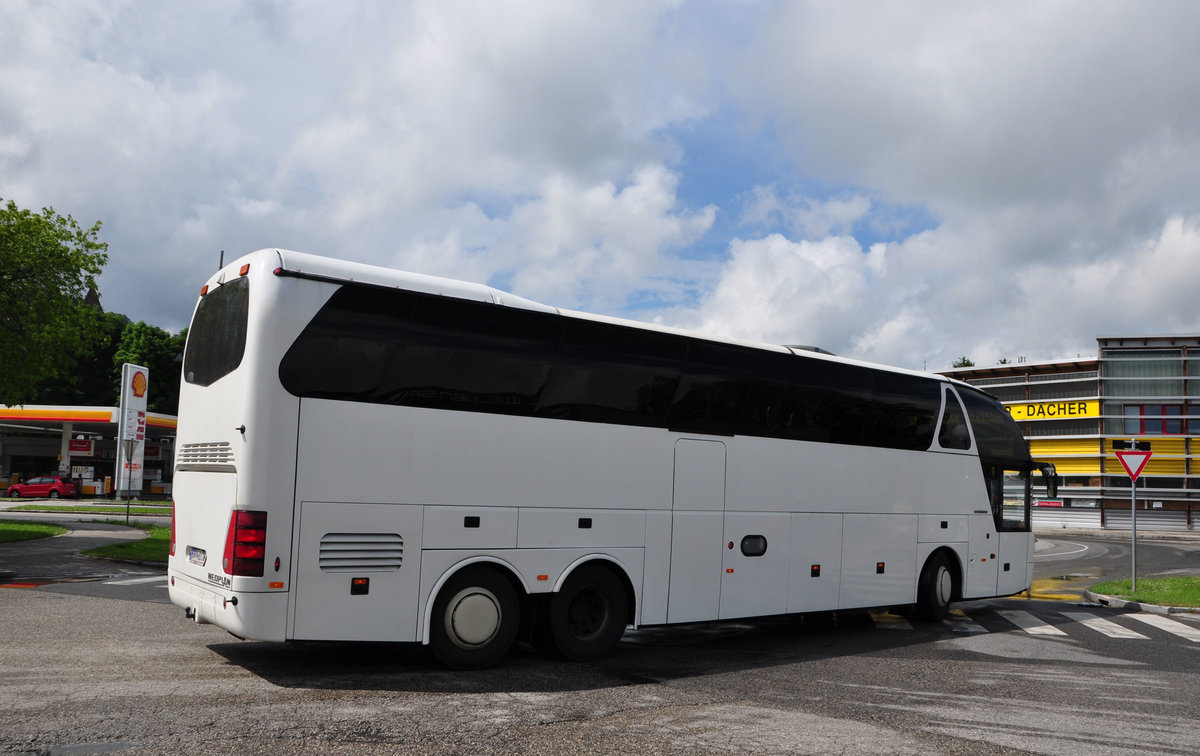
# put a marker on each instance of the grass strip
(92, 509)
(22, 530)
(1163, 591)
(153, 548)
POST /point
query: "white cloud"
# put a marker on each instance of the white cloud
(782, 291)
(571, 245)
(805, 217)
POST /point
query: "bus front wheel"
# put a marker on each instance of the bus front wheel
(588, 616)
(475, 619)
(935, 590)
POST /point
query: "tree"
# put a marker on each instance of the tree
(92, 379)
(158, 351)
(48, 265)
(963, 362)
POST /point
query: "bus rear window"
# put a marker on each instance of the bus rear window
(217, 338)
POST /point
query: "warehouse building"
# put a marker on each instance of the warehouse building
(1144, 388)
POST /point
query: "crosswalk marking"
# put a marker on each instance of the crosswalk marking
(135, 581)
(1028, 622)
(889, 621)
(1176, 627)
(959, 622)
(1101, 625)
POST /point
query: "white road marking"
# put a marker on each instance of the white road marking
(959, 622)
(1103, 626)
(135, 581)
(1176, 627)
(1028, 622)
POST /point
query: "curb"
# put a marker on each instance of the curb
(1120, 603)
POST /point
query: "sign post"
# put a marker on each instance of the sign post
(1133, 456)
(131, 428)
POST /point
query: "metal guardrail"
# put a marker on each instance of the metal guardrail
(1147, 519)
(1057, 517)
(1114, 519)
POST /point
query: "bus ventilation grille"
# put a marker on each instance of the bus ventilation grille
(216, 456)
(361, 552)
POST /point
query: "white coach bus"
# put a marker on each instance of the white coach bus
(365, 454)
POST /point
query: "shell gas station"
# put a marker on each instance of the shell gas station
(82, 442)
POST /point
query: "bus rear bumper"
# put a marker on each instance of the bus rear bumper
(250, 616)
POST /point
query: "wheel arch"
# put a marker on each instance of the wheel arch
(612, 565)
(501, 567)
(956, 569)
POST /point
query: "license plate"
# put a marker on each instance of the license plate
(197, 556)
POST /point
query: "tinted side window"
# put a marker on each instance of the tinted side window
(997, 436)
(904, 411)
(217, 337)
(395, 347)
(472, 356)
(954, 433)
(613, 374)
(344, 351)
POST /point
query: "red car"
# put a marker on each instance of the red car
(45, 486)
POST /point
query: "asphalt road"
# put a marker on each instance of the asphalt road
(96, 674)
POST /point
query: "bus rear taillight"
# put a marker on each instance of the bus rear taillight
(245, 543)
(172, 528)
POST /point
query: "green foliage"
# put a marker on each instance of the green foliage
(963, 361)
(158, 351)
(48, 264)
(92, 379)
(1162, 591)
(153, 548)
(23, 530)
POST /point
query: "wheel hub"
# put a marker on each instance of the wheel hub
(472, 617)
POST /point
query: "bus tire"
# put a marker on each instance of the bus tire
(587, 617)
(475, 619)
(935, 589)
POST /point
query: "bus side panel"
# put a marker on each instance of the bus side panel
(798, 476)
(445, 458)
(696, 553)
(814, 580)
(1014, 563)
(358, 572)
(879, 560)
(652, 610)
(981, 569)
(755, 584)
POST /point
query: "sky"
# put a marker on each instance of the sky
(904, 183)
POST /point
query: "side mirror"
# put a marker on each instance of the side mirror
(1051, 476)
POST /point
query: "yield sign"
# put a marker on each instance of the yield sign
(1134, 462)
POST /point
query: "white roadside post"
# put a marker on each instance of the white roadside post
(1133, 456)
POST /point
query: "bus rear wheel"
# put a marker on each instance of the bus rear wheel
(475, 619)
(935, 590)
(588, 616)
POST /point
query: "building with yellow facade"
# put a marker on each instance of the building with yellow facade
(1145, 388)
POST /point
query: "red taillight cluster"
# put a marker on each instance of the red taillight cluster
(172, 528)
(245, 543)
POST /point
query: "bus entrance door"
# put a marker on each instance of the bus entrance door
(698, 525)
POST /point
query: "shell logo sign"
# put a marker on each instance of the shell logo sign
(139, 384)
